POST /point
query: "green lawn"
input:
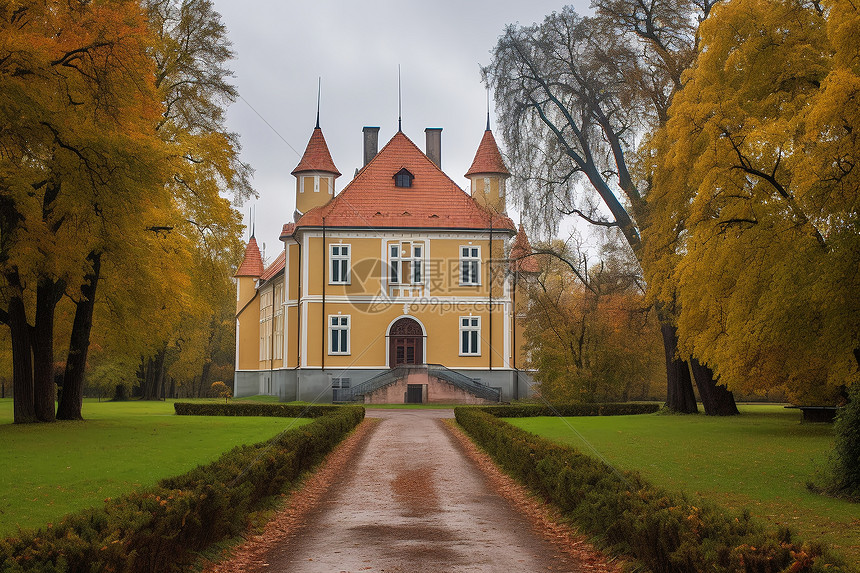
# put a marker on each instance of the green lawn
(49, 470)
(760, 460)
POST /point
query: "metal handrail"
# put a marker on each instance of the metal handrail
(377, 382)
(464, 382)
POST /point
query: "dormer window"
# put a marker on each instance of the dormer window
(403, 178)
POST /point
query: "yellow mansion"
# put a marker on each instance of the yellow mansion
(399, 288)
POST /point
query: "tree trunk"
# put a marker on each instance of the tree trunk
(159, 381)
(204, 377)
(679, 389)
(716, 399)
(44, 388)
(72, 398)
(153, 374)
(120, 393)
(22, 363)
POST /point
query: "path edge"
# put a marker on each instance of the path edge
(250, 554)
(546, 521)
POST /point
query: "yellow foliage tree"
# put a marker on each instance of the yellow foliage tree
(80, 164)
(113, 158)
(574, 95)
(169, 326)
(754, 230)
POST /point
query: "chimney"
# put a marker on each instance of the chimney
(371, 143)
(434, 145)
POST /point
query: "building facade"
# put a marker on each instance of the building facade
(401, 275)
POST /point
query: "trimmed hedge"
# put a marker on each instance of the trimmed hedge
(161, 528)
(253, 409)
(606, 409)
(665, 531)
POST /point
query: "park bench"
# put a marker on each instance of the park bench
(824, 414)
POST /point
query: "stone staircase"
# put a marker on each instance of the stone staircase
(437, 371)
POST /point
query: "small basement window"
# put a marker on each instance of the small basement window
(403, 178)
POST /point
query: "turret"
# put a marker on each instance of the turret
(248, 273)
(248, 307)
(315, 174)
(488, 174)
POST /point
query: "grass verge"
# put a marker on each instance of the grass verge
(760, 461)
(663, 529)
(164, 527)
(55, 469)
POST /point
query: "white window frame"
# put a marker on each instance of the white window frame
(468, 257)
(418, 276)
(344, 262)
(266, 323)
(417, 263)
(486, 185)
(278, 324)
(339, 323)
(394, 267)
(471, 326)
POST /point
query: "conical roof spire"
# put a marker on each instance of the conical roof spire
(520, 251)
(252, 264)
(317, 156)
(488, 159)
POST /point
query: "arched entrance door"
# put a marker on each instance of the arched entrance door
(405, 343)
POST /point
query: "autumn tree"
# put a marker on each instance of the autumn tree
(194, 79)
(756, 188)
(591, 336)
(113, 157)
(79, 164)
(573, 95)
(190, 53)
(220, 390)
(207, 341)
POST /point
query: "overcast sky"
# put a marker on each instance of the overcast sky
(282, 47)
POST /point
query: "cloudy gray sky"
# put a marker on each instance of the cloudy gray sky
(282, 47)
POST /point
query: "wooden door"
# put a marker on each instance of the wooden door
(405, 343)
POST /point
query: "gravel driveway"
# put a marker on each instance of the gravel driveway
(410, 499)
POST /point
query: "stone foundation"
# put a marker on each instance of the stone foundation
(314, 385)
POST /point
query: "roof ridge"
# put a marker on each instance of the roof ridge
(277, 265)
(433, 192)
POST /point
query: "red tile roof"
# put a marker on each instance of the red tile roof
(372, 200)
(287, 231)
(487, 158)
(317, 156)
(252, 264)
(520, 262)
(276, 267)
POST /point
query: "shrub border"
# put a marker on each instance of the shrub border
(665, 531)
(253, 409)
(599, 409)
(161, 528)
